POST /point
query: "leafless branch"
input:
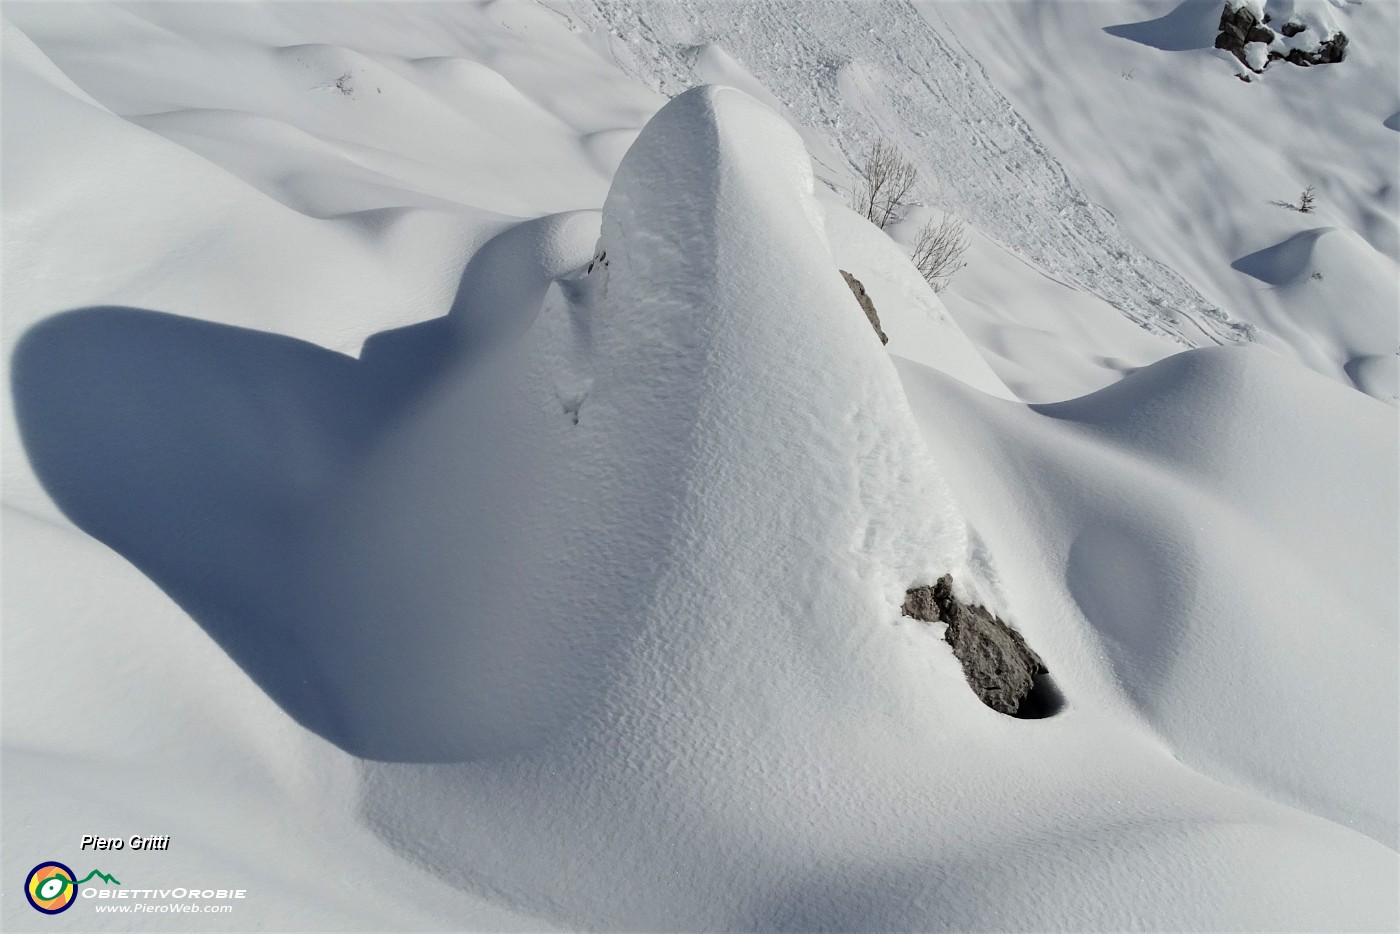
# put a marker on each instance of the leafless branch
(938, 250)
(889, 179)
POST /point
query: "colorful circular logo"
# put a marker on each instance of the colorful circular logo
(50, 888)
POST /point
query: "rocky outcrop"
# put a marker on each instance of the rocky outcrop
(1329, 52)
(866, 305)
(1257, 45)
(999, 666)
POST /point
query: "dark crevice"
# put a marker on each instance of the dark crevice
(1044, 700)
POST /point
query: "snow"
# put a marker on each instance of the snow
(1251, 147)
(921, 327)
(1256, 55)
(859, 71)
(1319, 19)
(1173, 415)
(1255, 7)
(476, 501)
(1315, 16)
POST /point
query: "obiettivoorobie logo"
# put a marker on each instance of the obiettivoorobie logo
(52, 887)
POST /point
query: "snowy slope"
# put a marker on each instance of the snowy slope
(452, 522)
(1082, 178)
(1208, 169)
(854, 72)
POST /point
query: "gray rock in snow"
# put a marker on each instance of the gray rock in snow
(1331, 51)
(998, 665)
(858, 290)
(1259, 33)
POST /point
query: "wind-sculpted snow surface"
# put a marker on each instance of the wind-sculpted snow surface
(1336, 299)
(853, 72)
(1288, 587)
(1223, 520)
(572, 598)
(770, 745)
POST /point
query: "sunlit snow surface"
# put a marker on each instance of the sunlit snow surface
(433, 518)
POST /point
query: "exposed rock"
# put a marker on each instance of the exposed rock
(1247, 38)
(998, 665)
(1235, 25)
(1333, 50)
(866, 304)
(1259, 33)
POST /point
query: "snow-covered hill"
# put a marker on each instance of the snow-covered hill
(448, 486)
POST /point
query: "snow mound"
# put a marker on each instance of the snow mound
(1226, 630)
(1232, 632)
(83, 173)
(712, 64)
(765, 743)
(719, 307)
(1338, 296)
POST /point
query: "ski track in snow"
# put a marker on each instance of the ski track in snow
(881, 70)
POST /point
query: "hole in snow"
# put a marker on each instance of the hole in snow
(1044, 700)
(572, 403)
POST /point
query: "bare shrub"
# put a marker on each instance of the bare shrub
(938, 250)
(1307, 201)
(889, 178)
